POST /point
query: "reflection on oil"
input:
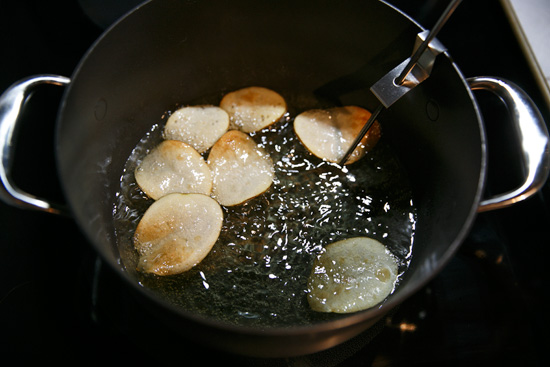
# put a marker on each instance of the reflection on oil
(257, 271)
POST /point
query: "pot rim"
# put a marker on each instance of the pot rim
(318, 327)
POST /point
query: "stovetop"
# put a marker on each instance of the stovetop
(59, 302)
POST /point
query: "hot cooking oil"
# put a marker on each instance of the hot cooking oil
(257, 271)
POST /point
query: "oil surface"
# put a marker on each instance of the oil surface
(256, 273)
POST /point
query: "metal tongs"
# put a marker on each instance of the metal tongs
(407, 75)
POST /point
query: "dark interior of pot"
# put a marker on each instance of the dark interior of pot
(172, 52)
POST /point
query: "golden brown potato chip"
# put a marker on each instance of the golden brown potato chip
(351, 275)
(177, 232)
(329, 133)
(253, 108)
(173, 167)
(198, 126)
(240, 168)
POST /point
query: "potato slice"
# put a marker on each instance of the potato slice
(171, 167)
(177, 232)
(253, 108)
(329, 133)
(240, 168)
(198, 126)
(351, 275)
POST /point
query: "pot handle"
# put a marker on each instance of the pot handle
(12, 102)
(533, 138)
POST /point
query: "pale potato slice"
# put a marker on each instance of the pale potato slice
(329, 133)
(171, 167)
(198, 126)
(253, 108)
(351, 275)
(177, 232)
(240, 168)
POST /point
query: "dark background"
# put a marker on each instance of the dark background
(58, 303)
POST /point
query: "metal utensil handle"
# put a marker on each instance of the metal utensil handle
(12, 102)
(387, 87)
(424, 45)
(533, 139)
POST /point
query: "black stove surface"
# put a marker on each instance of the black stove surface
(59, 303)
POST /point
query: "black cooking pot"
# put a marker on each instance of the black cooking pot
(170, 52)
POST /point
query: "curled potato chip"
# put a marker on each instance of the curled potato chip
(240, 168)
(253, 108)
(351, 275)
(198, 126)
(329, 133)
(177, 232)
(171, 167)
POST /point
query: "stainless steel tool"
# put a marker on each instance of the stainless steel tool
(407, 75)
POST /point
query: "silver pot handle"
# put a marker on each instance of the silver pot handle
(531, 130)
(12, 102)
(533, 139)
